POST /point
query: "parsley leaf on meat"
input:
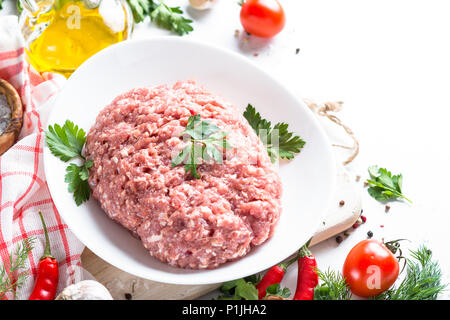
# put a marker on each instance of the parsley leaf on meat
(67, 143)
(205, 139)
(280, 143)
(383, 186)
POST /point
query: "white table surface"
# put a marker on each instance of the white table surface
(389, 61)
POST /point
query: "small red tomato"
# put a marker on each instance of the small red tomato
(262, 18)
(370, 268)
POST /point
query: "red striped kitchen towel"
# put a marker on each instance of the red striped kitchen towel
(23, 187)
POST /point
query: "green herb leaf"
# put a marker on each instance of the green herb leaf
(17, 261)
(247, 291)
(423, 280)
(254, 278)
(140, 9)
(18, 5)
(280, 143)
(383, 186)
(239, 289)
(333, 287)
(205, 141)
(275, 290)
(84, 172)
(66, 142)
(171, 18)
(76, 177)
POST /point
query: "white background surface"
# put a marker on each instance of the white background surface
(389, 61)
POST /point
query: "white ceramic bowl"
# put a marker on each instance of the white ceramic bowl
(308, 180)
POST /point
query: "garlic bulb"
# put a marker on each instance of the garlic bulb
(201, 4)
(85, 290)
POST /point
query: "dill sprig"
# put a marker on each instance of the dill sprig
(333, 286)
(17, 261)
(422, 280)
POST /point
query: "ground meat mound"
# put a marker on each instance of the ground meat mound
(186, 222)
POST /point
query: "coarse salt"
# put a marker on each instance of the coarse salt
(5, 113)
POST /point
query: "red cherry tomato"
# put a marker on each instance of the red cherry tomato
(370, 268)
(262, 18)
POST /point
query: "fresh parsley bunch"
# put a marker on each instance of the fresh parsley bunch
(67, 143)
(204, 140)
(383, 186)
(170, 18)
(287, 145)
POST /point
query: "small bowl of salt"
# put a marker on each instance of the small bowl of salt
(10, 115)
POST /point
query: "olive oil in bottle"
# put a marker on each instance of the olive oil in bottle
(62, 34)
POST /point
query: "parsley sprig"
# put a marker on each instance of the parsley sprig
(245, 288)
(170, 18)
(240, 289)
(17, 261)
(280, 143)
(205, 140)
(67, 143)
(140, 9)
(383, 186)
(277, 290)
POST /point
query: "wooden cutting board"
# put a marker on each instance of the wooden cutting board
(123, 285)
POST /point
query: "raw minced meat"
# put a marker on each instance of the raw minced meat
(186, 222)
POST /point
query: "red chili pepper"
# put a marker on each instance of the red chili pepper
(307, 275)
(273, 276)
(48, 274)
